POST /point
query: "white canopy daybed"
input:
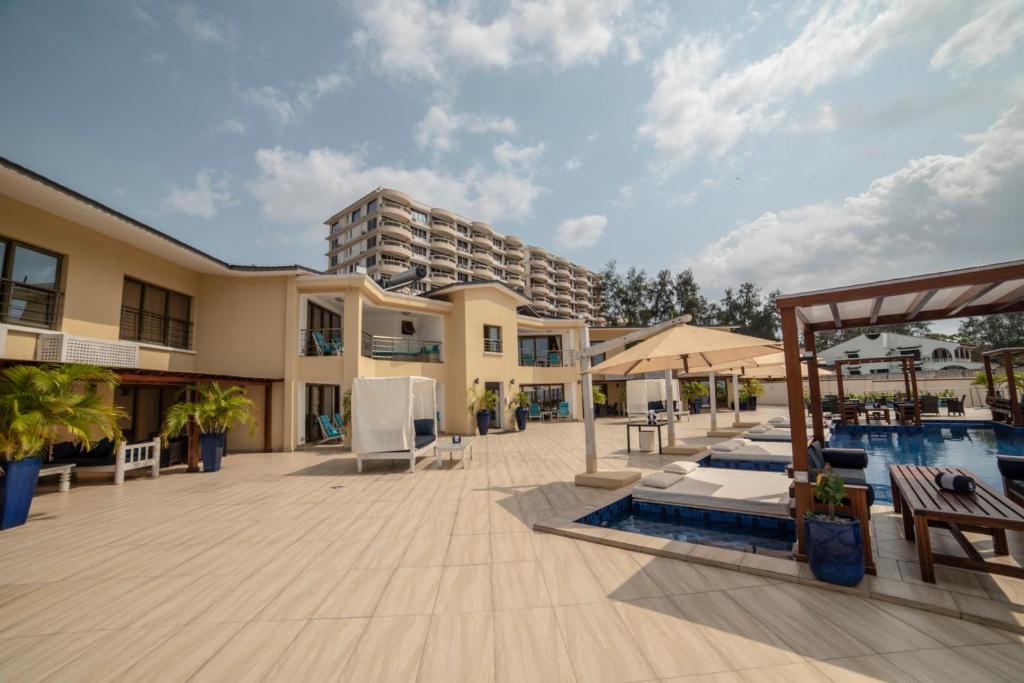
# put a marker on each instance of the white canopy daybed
(641, 393)
(393, 418)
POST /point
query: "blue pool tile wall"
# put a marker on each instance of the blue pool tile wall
(736, 531)
(966, 444)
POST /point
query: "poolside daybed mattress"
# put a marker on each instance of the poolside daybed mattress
(780, 434)
(765, 451)
(758, 493)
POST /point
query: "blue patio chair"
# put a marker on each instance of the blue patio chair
(534, 411)
(324, 347)
(328, 430)
(339, 422)
(339, 345)
(554, 358)
(563, 411)
(527, 359)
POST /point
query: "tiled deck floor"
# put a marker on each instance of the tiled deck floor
(292, 567)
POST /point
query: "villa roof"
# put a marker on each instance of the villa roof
(983, 290)
(25, 185)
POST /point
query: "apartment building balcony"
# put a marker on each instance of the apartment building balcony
(392, 228)
(482, 240)
(514, 253)
(22, 304)
(539, 252)
(394, 247)
(581, 289)
(483, 228)
(563, 297)
(483, 271)
(583, 304)
(483, 255)
(539, 264)
(439, 259)
(539, 289)
(392, 266)
(442, 244)
(321, 341)
(562, 271)
(531, 357)
(135, 325)
(539, 276)
(389, 209)
(441, 279)
(513, 267)
(443, 229)
(514, 279)
(562, 283)
(513, 241)
(564, 309)
(380, 347)
(542, 304)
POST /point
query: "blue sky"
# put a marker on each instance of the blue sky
(793, 144)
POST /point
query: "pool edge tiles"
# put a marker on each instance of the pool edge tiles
(754, 534)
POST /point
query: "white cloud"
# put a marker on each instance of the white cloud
(231, 126)
(420, 39)
(283, 107)
(273, 101)
(509, 156)
(582, 232)
(572, 164)
(701, 104)
(440, 125)
(205, 200)
(293, 187)
(936, 212)
(201, 28)
(991, 35)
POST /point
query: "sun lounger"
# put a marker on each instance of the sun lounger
(765, 451)
(772, 433)
(758, 493)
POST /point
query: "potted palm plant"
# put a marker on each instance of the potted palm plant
(521, 403)
(38, 404)
(750, 390)
(482, 404)
(692, 393)
(214, 411)
(835, 548)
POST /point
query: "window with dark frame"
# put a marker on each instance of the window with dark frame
(155, 315)
(29, 285)
(492, 339)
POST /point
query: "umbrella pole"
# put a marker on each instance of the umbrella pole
(587, 386)
(714, 401)
(670, 408)
(736, 398)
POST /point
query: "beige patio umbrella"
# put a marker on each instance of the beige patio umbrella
(689, 349)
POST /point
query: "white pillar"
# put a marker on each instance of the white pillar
(587, 387)
(736, 396)
(670, 409)
(714, 401)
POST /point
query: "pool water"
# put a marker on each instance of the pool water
(971, 445)
(747, 533)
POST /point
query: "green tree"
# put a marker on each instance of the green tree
(611, 294)
(661, 297)
(633, 298)
(688, 298)
(992, 331)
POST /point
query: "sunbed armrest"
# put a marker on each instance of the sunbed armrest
(1011, 466)
(852, 458)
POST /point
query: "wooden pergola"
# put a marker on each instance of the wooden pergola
(985, 290)
(1008, 409)
(909, 380)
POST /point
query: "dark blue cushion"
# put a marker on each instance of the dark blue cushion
(656, 406)
(424, 439)
(815, 456)
(424, 427)
(851, 458)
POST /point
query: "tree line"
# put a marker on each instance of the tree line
(637, 299)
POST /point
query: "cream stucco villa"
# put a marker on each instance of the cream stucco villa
(83, 282)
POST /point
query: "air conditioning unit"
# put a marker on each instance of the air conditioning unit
(58, 347)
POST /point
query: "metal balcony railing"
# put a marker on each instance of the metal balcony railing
(322, 341)
(152, 328)
(22, 304)
(401, 349)
(542, 359)
(492, 345)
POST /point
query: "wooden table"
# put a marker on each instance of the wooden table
(924, 505)
(639, 425)
(62, 470)
(464, 448)
(876, 415)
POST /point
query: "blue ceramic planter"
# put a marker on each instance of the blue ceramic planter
(521, 415)
(211, 449)
(17, 487)
(483, 422)
(696, 406)
(835, 550)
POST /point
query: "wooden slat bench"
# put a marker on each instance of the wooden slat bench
(63, 470)
(923, 505)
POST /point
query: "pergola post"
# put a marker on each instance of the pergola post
(840, 395)
(670, 408)
(713, 397)
(913, 384)
(1011, 389)
(797, 423)
(736, 397)
(991, 385)
(587, 386)
(268, 404)
(814, 386)
(906, 376)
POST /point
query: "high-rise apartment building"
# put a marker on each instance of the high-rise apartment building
(387, 232)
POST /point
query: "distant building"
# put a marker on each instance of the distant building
(932, 355)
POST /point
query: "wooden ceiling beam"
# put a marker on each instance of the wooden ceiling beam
(876, 308)
(920, 301)
(969, 296)
(935, 314)
(1010, 298)
(802, 318)
(836, 318)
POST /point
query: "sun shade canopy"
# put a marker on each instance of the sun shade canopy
(383, 410)
(766, 367)
(687, 348)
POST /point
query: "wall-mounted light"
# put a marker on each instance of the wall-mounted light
(512, 381)
(476, 380)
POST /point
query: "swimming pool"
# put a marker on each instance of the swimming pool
(748, 533)
(971, 445)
